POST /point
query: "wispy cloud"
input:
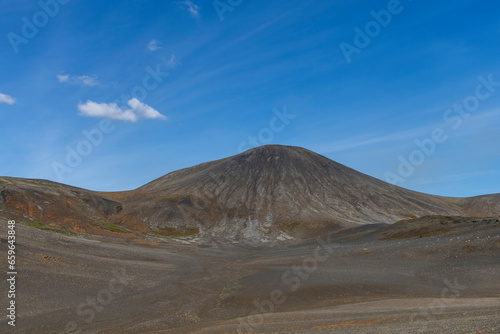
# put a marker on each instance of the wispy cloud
(62, 78)
(193, 9)
(171, 62)
(452, 177)
(487, 114)
(7, 99)
(366, 140)
(136, 112)
(258, 29)
(82, 80)
(154, 45)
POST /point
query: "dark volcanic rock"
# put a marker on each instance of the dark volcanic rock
(267, 193)
(277, 192)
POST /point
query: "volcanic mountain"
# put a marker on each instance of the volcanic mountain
(267, 193)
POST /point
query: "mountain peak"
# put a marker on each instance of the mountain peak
(274, 189)
(271, 192)
(280, 157)
(276, 149)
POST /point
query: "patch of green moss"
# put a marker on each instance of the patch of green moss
(108, 226)
(113, 227)
(34, 224)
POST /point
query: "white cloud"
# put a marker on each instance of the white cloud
(87, 81)
(137, 111)
(82, 80)
(154, 45)
(194, 10)
(7, 99)
(171, 62)
(62, 78)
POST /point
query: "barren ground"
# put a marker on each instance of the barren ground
(371, 279)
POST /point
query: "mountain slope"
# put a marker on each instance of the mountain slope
(57, 207)
(268, 193)
(278, 191)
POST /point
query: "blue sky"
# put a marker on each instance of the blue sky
(177, 83)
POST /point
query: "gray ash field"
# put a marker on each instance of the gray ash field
(369, 279)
